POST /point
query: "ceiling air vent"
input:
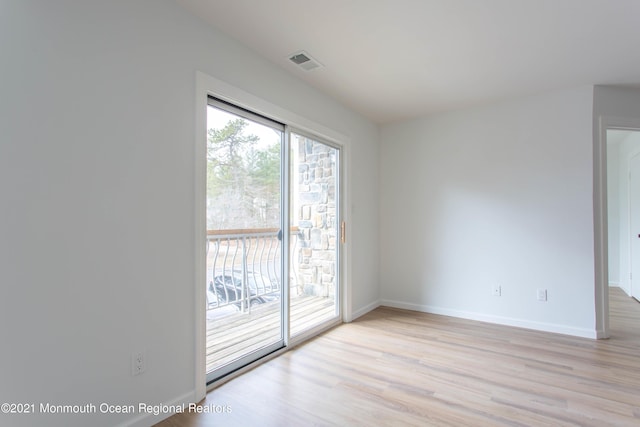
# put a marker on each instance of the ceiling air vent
(304, 61)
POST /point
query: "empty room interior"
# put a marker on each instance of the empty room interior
(342, 212)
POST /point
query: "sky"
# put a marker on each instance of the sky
(217, 119)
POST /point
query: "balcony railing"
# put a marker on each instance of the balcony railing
(243, 267)
(244, 288)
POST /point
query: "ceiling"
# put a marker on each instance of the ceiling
(393, 60)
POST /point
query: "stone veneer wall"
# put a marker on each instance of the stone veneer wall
(316, 219)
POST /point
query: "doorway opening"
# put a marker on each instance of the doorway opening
(623, 209)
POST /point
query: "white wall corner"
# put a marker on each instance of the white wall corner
(364, 310)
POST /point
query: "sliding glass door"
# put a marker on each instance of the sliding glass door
(244, 238)
(273, 236)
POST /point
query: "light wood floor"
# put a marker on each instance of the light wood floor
(401, 368)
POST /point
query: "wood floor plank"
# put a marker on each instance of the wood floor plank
(401, 368)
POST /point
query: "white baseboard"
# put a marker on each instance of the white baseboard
(507, 321)
(147, 420)
(364, 310)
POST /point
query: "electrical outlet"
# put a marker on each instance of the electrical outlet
(496, 290)
(542, 294)
(138, 363)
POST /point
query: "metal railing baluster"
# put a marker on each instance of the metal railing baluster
(261, 263)
(256, 252)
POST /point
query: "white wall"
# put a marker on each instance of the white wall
(97, 213)
(617, 102)
(499, 194)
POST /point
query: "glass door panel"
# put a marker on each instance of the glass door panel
(315, 233)
(244, 243)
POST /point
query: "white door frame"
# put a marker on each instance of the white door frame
(603, 124)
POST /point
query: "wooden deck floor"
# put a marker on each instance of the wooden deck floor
(395, 367)
(231, 333)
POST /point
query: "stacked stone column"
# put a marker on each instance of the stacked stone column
(316, 218)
